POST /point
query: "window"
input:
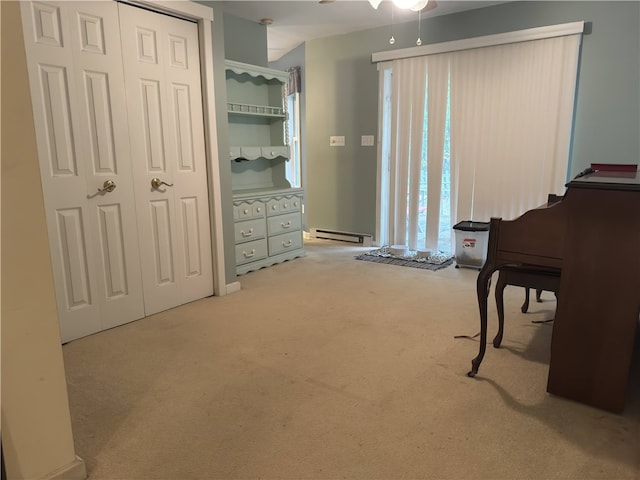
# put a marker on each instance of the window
(293, 129)
(292, 132)
(473, 134)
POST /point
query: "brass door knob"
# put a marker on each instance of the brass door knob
(157, 183)
(107, 186)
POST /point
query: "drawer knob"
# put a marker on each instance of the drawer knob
(246, 210)
(246, 234)
(259, 209)
(249, 254)
(288, 243)
(286, 225)
(274, 207)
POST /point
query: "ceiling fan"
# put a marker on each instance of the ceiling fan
(414, 5)
(419, 6)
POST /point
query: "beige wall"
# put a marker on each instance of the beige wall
(36, 425)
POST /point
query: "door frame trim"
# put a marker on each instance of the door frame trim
(203, 17)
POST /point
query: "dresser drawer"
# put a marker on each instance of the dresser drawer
(245, 210)
(250, 230)
(277, 206)
(273, 207)
(285, 242)
(284, 223)
(290, 204)
(258, 210)
(251, 251)
(242, 211)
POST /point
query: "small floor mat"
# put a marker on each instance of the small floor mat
(435, 261)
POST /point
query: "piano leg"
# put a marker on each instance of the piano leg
(482, 286)
(525, 305)
(502, 282)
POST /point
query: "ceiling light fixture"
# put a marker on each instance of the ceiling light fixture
(266, 21)
(415, 5)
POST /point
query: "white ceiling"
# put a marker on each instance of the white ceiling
(295, 22)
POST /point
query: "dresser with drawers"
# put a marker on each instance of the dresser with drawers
(268, 228)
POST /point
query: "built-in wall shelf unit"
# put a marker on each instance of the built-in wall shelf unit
(267, 211)
(257, 112)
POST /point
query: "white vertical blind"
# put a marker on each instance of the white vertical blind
(438, 86)
(407, 121)
(511, 108)
(511, 114)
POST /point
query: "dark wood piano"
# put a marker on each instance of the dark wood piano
(591, 238)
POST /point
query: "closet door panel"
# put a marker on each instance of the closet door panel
(77, 85)
(162, 78)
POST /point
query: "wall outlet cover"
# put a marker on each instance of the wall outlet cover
(336, 141)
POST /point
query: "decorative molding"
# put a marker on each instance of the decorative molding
(253, 196)
(256, 71)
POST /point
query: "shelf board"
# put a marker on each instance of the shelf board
(253, 114)
(255, 110)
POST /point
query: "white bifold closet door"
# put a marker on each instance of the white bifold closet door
(162, 77)
(96, 193)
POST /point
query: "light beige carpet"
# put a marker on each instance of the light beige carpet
(327, 367)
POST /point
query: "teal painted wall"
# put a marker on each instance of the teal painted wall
(245, 41)
(219, 79)
(342, 91)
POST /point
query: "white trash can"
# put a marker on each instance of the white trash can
(471, 243)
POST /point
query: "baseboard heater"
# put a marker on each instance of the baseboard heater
(363, 239)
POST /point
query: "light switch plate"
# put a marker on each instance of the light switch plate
(336, 141)
(367, 140)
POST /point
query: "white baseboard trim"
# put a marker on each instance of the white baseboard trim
(233, 287)
(76, 470)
